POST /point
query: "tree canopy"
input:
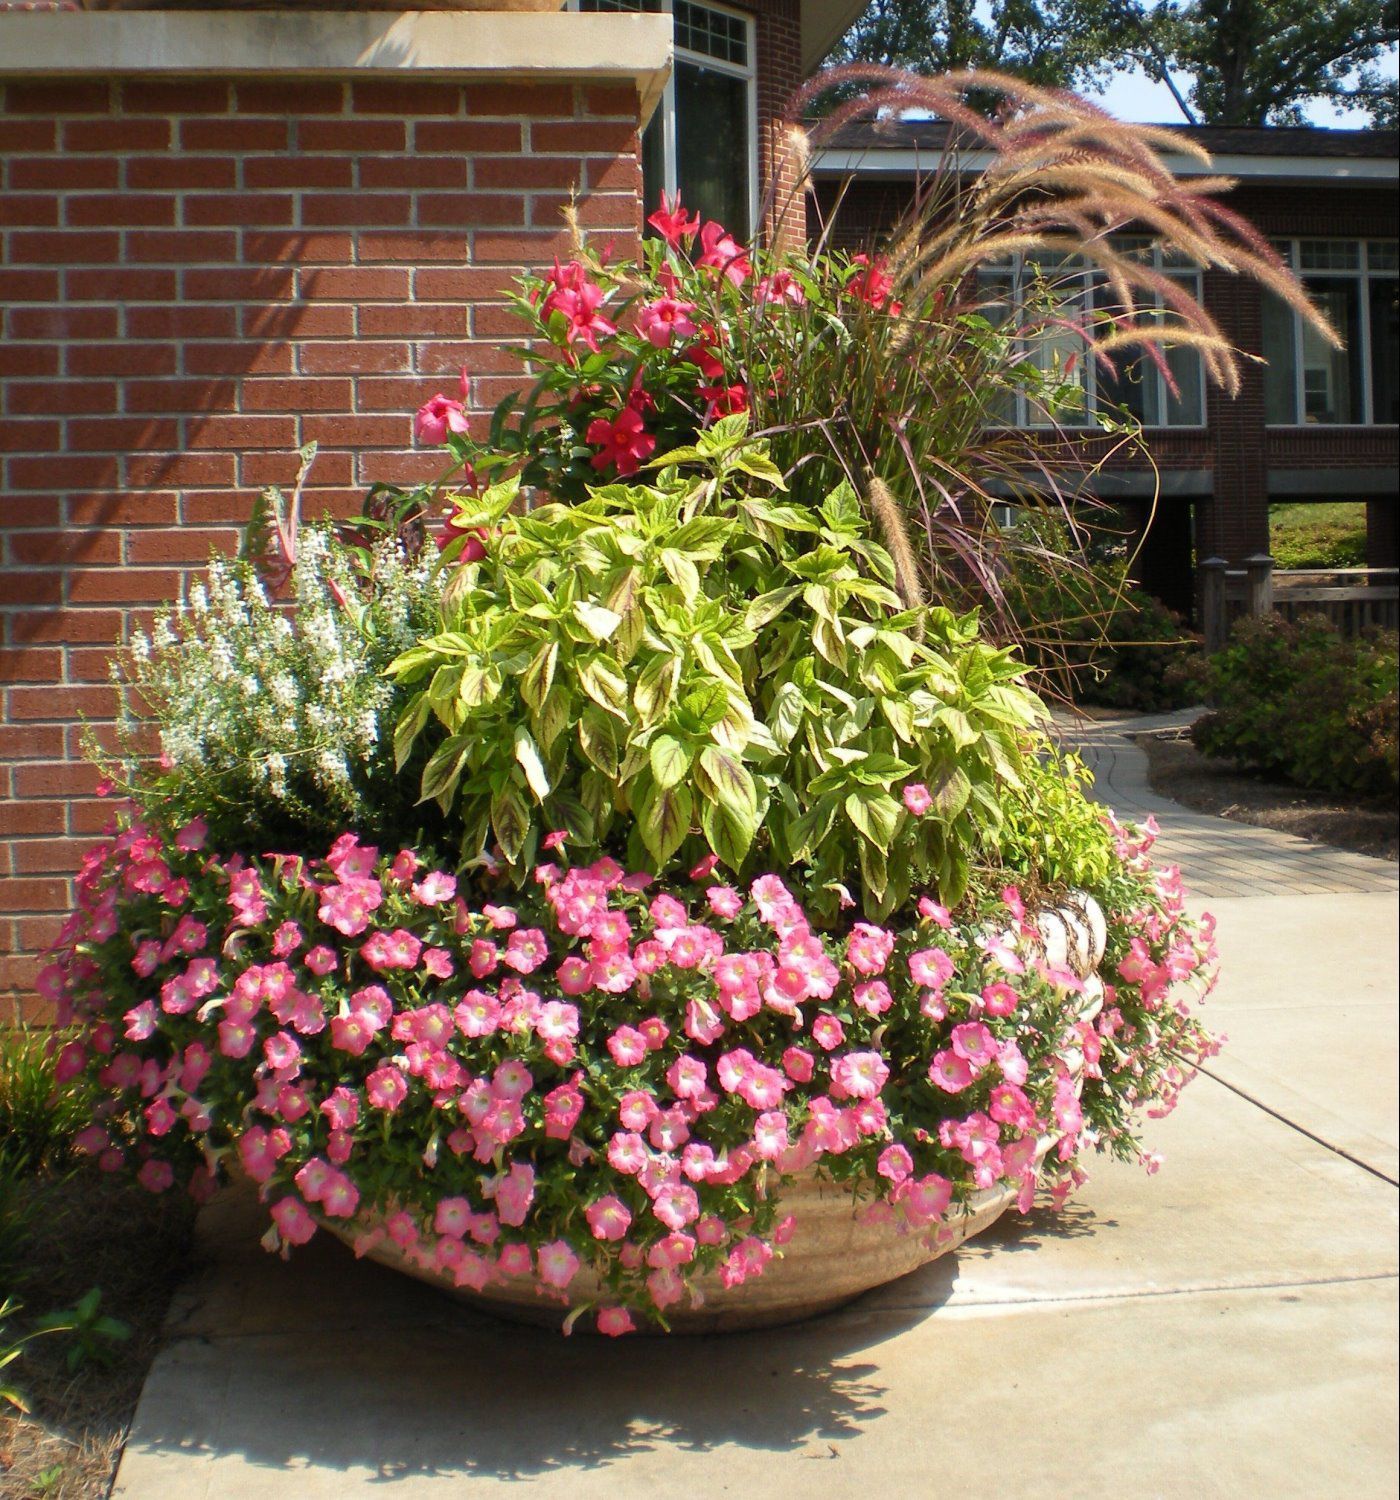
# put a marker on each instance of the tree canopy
(1227, 62)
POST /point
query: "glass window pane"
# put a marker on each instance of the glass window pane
(1385, 349)
(653, 164)
(712, 145)
(1281, 369)
(715, 33)
(1383, 255)
(1332, 377)
(1329, 255)
(1056, 310)
(996, 301)
(1131, 382)
(1187, 407)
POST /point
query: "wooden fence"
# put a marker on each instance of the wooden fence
(1352, 598)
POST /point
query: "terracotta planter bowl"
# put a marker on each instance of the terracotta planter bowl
(833, 1257)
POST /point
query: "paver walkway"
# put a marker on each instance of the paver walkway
(1227, 1328)
(1218, 856)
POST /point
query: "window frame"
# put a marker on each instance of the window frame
(1362, 275)
(1088, 280)
(748, 74)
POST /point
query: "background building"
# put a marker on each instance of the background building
(1313, 424)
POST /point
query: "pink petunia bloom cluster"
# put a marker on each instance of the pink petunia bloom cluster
(592, 1081)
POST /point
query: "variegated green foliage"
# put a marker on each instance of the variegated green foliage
(694, 665)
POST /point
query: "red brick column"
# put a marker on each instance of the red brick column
(197, 278)
(781, 165)
(1234, 522)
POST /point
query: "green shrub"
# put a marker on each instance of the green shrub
(692, 667)
(275, 724)
(1304, 703)
(1093, 635)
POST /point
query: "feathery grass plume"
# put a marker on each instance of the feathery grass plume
(919, 404)
(894, 528)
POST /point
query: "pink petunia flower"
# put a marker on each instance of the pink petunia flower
(386, 1088)
(858, 1075)
(950, 1072)
(917, 798)
(557, 1264)
(293, 1220)
(608, 1217)
(895, 1164)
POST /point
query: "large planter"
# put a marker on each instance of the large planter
(842, 1245)
(838, 1251)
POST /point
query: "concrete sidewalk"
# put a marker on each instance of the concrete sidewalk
(1228, 1328)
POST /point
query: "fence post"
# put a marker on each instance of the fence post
(1213, 602)
(1259, 584)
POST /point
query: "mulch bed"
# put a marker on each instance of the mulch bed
(1177, 769)
(88, 1229)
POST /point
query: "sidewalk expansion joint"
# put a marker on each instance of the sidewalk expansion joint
(1303, 1130)
(1144, 1293)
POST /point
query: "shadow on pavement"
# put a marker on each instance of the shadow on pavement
(340, 1364)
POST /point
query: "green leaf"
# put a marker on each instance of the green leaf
(682, 572)
(477, 687)
(597, 737)
(554, 716)
(674, 456)
(727, 832)
(528, 754)
(655, 687)
(538, 677)
(444, 767)
(729, 780)
(600, 623)
(767, 607)
(876, 814)
(950, 794)
(409, 727)
(607, 687)
(958, 725)
(670, 760)
(878, 769)
(754, 461)
(510, 822)
(703, 707)
(873, 870)
(664, 820)
(899, 715)
(788, 710)
(727, 433)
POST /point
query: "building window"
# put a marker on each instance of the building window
(1307, 382)
(702, 142)
(1055, 297)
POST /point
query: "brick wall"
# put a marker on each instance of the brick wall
(778, 34)
(196, 279)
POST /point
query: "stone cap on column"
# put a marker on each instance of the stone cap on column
(612, 47)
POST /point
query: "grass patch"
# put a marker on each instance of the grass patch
(1330, 534)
